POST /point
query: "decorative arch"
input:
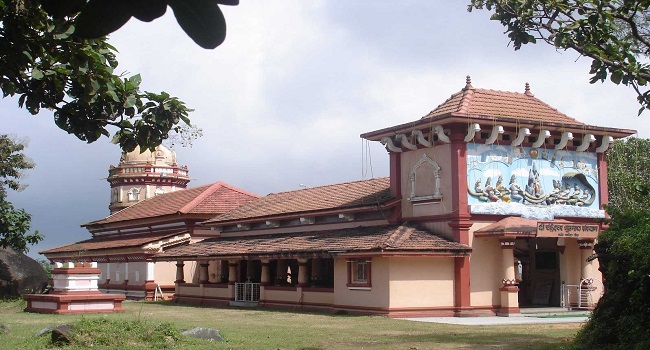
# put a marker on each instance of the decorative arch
(425, 181)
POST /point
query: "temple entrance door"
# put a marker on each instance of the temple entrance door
(538, 267)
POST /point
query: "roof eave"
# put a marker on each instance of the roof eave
(392, 202)
(455, 117)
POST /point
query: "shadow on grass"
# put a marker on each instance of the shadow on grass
(261, 309)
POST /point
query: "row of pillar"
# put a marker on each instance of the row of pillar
(303, 274)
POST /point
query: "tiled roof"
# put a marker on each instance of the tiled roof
(110, 242)
(500, 104)
(512, 225)
(211, 199)
(337, 196)
(392, 238)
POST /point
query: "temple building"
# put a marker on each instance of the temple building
(141, 175)
(493, 203)
(150, 211)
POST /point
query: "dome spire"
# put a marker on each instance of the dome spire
(527, 90)
(468, 83)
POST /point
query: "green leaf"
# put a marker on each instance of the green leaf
(135, 80)
(201, 20)
(100, 18)
(37, 74)
(148, 10)
(130, 101)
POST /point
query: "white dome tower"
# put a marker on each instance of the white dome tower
(141, 175)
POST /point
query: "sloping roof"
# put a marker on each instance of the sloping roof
(110, 242)
(512, 226)
(212, 199)
(390, 238)
(485, 106)
(500, 104)
(337, 196)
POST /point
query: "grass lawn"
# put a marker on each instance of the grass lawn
(272, 329)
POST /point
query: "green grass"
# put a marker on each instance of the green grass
(269, 329)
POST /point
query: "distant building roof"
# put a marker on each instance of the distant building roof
(209, 200)
(336, 196)
(368, 239)
(109, 242)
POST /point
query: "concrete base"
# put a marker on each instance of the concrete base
(74, 302)
(243, 303)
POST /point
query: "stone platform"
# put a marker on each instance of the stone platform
(75, 291)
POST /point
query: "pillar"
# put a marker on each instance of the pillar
(265, 275)
(509, 291)
(462, 303)
(203, 272)
(150, 271)
(126, 272)
(303, 276)
(232, 271)
(108, 271)
(586, 249)
(250, 271)
(223, 271)
(281, 273)
(603, 190)
(315, 271)
(180, 274)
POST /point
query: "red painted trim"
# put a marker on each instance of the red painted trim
(395, 174)
(76, 271)
(215, 285)
(285, 288)
(461, 282)
(458, 148)
(317, 290)
(509, 289)
(509, 311)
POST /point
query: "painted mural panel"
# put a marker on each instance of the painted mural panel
(531, 182)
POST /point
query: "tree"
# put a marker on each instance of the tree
(201, 20)
(14, 223)
(614, 34)
(49, 67)
(621, 320)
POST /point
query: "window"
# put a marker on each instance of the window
(133, 194)
(160, 190)
(359, 273)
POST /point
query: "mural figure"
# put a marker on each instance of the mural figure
(570, 185)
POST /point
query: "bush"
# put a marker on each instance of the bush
(621, 320)
(100, 332)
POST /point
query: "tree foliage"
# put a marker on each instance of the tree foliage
(614, 34)
(14, 223)
(201, 20)
(621, 319)
(49, 67)
(627, 178)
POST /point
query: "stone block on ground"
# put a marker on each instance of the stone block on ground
(203, 333)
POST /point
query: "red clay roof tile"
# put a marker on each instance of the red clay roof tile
(213, 199)
(391, 238)
(512, 225)
(110, 242)
(336, 196)
(500, 104)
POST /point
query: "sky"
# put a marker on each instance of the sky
(283, 100)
